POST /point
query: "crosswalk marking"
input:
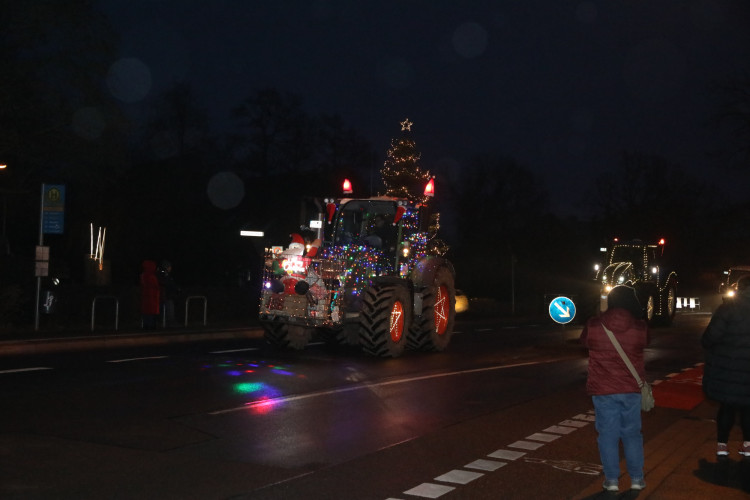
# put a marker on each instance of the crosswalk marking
(430, 490)
(488, 465)
(459, 476)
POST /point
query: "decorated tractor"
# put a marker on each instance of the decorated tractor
(375, 279)
(374, 274)
(644, 267)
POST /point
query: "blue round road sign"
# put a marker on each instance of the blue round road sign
(562, 310)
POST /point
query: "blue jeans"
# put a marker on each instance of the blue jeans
(618, 418)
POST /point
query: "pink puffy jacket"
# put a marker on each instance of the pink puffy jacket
(607, 372)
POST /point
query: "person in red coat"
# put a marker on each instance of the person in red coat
(149, 294)
(613, 389)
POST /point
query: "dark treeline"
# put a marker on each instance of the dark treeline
(167, 186)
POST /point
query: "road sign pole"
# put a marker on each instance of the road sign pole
(39, 278)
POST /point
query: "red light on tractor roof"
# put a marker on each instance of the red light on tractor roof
(662, 241)
(347, 187)
(429, 189)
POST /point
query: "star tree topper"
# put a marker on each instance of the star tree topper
(406, 125)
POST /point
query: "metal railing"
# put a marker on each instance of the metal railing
(205, 307)
(93, 310)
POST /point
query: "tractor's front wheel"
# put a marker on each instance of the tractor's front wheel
(384, 320)
(286, 336)
(650, 308)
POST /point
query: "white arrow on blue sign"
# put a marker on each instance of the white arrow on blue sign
(562, 310)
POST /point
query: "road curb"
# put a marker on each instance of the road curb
(120, 340)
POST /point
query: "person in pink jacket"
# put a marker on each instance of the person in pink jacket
(613, 389)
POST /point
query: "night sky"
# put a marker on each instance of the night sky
(562, 86)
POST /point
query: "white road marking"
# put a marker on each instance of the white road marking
(32, 369)
(568, 465)
(507, 454)
(560, 429)
(574, 423)
(588, 418)
(540, 436)
(235, 350)
(488, 465)
(459, 476)
(287, 399)
(135, 359)
(526, 445)
(429, 490)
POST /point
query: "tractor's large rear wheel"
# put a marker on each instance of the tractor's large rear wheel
(384, 320)
(432, 330)
(283, 335)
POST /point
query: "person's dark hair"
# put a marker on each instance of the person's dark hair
(624, 297)
(743, 283)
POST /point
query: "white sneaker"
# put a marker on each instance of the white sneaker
(611, 485)
(637, 484)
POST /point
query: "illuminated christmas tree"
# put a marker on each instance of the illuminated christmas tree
(404, 178)
(402, 175)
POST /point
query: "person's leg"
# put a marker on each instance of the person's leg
(632, 438)
(745, 422)
(724, 422)
(607, 412)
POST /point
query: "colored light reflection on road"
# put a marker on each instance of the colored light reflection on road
(265, 397)
(249, 387)
(263, 405)
(281, 371)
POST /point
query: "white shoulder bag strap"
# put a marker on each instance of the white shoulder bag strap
(623, 355)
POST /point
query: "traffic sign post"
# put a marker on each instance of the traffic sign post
(51, 221)
(562, 310)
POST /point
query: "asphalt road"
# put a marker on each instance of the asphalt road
(237, 420)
